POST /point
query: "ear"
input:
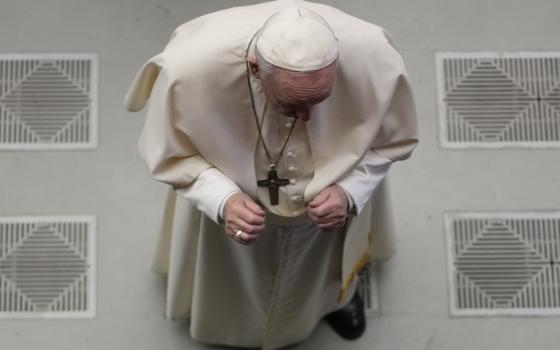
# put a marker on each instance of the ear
(254, 66)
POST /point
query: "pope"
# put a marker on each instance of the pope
(274, 124)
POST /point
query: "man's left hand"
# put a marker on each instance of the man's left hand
(328, 209)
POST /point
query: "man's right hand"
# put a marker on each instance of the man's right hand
(242, 213)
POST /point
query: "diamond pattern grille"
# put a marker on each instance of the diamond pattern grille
(504, 263)
(499, 99)
(48, 102)
(46, 267)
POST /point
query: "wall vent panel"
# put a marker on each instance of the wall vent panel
(48, 101)
(499, 100)
(503, 263)
(47, 267)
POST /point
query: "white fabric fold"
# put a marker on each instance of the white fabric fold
(209, 193)
(363, 180)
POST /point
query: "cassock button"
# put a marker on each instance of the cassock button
(291, 154)
(292, 168)
(297, 198)
(293, 181)
(288, 124)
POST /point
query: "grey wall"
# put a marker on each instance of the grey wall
(113, 183)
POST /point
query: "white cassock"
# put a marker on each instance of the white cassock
(201, 138)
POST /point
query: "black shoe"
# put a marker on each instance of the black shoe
(350, 321)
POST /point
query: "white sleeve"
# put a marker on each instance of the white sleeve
(209, 192)
(362, 181)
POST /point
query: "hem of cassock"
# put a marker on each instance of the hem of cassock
(246, 346)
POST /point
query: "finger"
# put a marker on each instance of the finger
(315, 217)
(245, 238)
(254, 207)
(238, 223)
(319, 199)
(312, 216)
(320, 222)
(249, 217)
(331, 225)
(250, 229)
(325, 209)
(336, 218)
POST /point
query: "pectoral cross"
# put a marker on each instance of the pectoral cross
(273, 183)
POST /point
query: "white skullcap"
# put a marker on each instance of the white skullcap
(297, 39)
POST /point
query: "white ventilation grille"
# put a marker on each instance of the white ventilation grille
(367, 287)
(496, 100)
(47, 267)
(48, 101)
(504, 263)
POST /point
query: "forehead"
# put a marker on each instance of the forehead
(296, 89)
(288, 102)
(311, 77)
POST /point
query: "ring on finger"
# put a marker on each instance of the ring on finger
(237, 235)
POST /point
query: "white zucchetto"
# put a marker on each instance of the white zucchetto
(297, 39)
